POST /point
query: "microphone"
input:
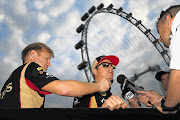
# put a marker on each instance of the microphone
(127, 94)
(121, 79)
(126, 84)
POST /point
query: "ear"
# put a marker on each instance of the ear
(33, 55)
(169, 20)
(160, 40)
(94, 72)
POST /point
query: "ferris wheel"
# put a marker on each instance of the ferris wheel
(110, 31)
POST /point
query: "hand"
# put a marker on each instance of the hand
(133, 103)
(104, 85)
(155, 98)
(152, 96)
(114, 102)
(144, 99)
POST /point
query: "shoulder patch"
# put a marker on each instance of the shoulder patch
(39, 68)
(103, 93)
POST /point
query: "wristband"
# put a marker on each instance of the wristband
(165, 108)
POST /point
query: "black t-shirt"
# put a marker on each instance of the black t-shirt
(23, 88)
(94, 100)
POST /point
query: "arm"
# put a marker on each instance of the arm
(173, 96)
(74, 88)
(114, 102)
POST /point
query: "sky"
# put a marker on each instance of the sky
(54, 23)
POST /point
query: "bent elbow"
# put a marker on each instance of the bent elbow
(65, 92)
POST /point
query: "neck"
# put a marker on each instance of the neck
(99, 79)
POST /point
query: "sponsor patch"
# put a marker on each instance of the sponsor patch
(39, 68)
(103, 93)
(49, 75)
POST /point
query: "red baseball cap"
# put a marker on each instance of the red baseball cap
(112, 58)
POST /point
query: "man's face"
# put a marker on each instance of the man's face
(164, 32)
(165, 80)
(104, 72)
(43, 59)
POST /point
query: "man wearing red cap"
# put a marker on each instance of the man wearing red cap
(102, 67)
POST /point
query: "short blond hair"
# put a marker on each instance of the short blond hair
(37, 46)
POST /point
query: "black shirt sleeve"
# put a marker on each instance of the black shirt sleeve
(35, 74)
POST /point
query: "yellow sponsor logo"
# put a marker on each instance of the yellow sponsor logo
(103, 93)
(39, 68)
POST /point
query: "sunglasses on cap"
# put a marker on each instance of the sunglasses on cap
(106, 65)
